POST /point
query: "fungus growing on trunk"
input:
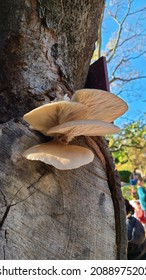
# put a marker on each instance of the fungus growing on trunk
(102, 105)
(90, 113)
(60, 155)
(52, 114)
(82, 127)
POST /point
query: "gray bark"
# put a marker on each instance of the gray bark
(45, 51)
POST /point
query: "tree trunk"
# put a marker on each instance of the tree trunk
(45, 52)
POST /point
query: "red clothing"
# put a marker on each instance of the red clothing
(139, 213)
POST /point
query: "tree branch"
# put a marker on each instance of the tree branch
(123, 60)
(138, 11)
(118, 65)
(125, 145)
(129, 38)
(120, 31)
(134, 57)
(126, 79)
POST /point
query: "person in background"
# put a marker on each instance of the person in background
(139, 213)
(142, 195)
(134, 193)
(133, 179)
(136, 235)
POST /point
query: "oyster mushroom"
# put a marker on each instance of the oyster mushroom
(102, 105)
(67, 131)
(52, 114)
(61, 156)
(89, 113)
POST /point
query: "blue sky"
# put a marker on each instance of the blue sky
(137, 89)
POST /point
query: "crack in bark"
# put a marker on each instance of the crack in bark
(99, 146)
(32, 185)
(8, 209)
(6, 233)
(4, 246)
(37, 181)
(5, 216)
(114, 186)
(15, 195)
(14, 204)
(4, 252)
(4, 197)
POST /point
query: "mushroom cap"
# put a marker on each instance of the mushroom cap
(84, 127)
(102, 105)
(52, 114)
(61, 156)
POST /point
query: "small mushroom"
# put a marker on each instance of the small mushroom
(52, 114)
(69, 130)
(102, 105)
(59, 155)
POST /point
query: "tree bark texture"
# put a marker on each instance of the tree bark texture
(45, 52)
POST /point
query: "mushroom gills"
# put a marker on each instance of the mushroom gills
(52, 114)
(59, 155)
(69, 130)
(102, 105)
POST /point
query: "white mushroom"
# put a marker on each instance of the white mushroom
(89, 113)
(102, 105)
(59, 155)
(69, 130)
(52, 114)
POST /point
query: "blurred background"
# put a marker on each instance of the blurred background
(122, 40)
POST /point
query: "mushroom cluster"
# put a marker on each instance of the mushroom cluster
(89, 113)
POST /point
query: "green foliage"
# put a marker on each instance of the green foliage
(129, 146)
(126, 191)
(124, 175)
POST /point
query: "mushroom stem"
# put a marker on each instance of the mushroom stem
(65, 138)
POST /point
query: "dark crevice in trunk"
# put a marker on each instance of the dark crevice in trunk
(4, 216)
(115, 189)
